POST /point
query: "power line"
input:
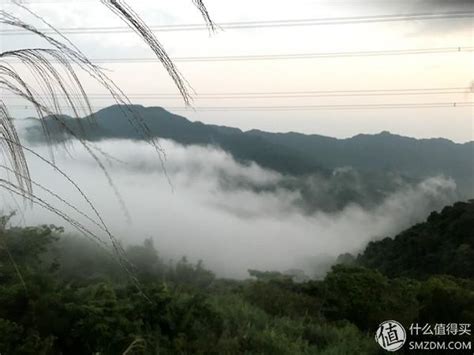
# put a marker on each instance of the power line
(290, 56)
(309, 107)
(278, 95)
(294, 56)
(328, 107)
(152, 96)
(259, 24)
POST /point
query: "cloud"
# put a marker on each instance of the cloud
(232, 230)
(450, 25)
(429, 6)
(459, 5)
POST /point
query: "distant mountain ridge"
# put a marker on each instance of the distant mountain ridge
(288, 153)
(113, 122)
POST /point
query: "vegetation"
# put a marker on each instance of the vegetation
(63, 294)
(444, 244)
(383, 158)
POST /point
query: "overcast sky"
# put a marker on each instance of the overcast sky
(440, 70)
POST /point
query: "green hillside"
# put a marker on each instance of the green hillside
(444, 244)
(62, 294)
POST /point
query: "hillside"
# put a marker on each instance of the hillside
(294, 153)
(113, 122)
(74, 298)
(414, 157)
(444, 244)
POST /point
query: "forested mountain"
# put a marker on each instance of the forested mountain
(113, 122)
(291, 153)
(385, 151)
(444, 244)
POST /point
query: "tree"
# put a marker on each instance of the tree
(365, 297)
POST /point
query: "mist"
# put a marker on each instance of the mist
(190, 211)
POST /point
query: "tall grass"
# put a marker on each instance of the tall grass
(56, 87)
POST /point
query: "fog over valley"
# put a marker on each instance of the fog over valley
(234, 216)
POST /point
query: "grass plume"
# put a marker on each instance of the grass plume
(56, 87)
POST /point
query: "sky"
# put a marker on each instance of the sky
(398, 72)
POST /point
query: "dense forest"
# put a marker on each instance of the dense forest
(442, 245)
(61, 294)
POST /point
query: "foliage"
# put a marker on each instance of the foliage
(85, 304)
(62, 294)
(444, 244)
(365, 297)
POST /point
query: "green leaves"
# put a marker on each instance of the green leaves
(444, 244)
(84, 305)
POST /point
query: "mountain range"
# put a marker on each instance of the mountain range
(289, 153)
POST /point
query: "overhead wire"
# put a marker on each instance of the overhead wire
(454, 104)
(291, 94)
(262, 23)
